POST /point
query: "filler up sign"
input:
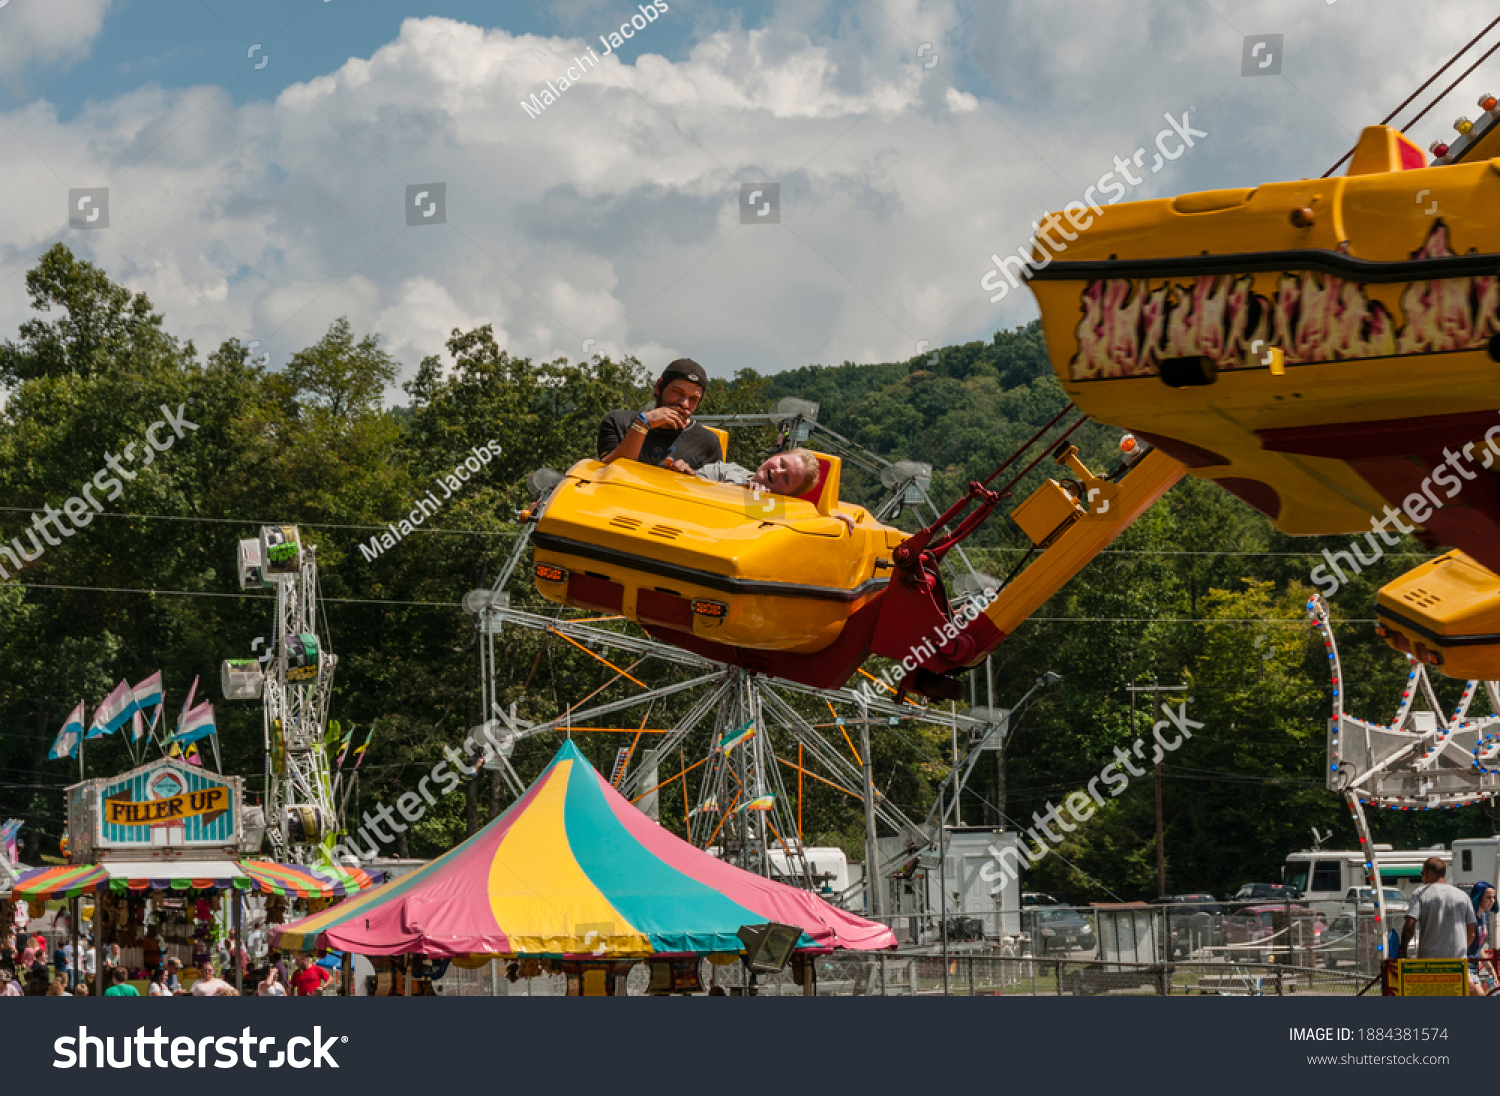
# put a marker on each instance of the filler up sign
(166, 803)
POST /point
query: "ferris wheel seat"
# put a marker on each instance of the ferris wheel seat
(680, 554)
(1446, 614)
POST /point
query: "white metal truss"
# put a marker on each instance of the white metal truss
(1424, 759)
(300, 806)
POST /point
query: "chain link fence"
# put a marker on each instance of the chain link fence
(1256, 933)
(1127, 949)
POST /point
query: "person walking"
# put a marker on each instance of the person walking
(1441, 915)
(309, 979)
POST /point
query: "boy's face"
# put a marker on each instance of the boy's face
(781, 475)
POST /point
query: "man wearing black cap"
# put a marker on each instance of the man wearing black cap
(666, 432)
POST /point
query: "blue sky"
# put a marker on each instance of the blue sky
(908, 141)
(187, 43)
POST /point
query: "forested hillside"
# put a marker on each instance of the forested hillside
(1202, 590)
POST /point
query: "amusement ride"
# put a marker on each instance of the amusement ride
(1323, 349)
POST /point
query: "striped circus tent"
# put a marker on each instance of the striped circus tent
(572, 869)
(266, 876)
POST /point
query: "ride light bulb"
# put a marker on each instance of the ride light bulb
(1463, 125)
(1437, 148)
(1488, 102)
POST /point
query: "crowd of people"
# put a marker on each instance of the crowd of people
(27, 970)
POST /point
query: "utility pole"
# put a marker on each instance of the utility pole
(874, 906)
(1155, 689)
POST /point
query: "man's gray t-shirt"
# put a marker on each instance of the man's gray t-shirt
(1441, 912)
(726, 472)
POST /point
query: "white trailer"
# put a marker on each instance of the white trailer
(1324, 876)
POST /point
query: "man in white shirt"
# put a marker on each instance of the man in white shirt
(1444, 914)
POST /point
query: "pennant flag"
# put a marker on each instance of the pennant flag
(359, 753)
(743, 733)
(344, 748)
(760, 803)
(174, 750)
(196, 724)
(66, 743)
(8, 832)
(148, 692)
(114, 713)
(190, 755)
(710, 806)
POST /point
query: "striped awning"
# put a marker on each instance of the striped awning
(64, 881)
(296, 881)
(267, 876)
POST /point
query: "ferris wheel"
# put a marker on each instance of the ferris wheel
(294, 682)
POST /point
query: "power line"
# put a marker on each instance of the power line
(279, 521)
(454, 605)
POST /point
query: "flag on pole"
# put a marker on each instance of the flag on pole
(188, 703)
(709, 806)
(743, 733)
(8, 831)
(344, 749)
(196, 724)
(760, 803)
(148, 694)
(359, 752)
(114, 713)
(66, 743)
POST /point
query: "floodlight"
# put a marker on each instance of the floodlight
(769, 947)
(906, 471)
(791, 407)
(973, 585)
(541, 482)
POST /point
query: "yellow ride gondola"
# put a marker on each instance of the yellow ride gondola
(781, 586)
(730, 566)
(1320, 348)
(1446, 614)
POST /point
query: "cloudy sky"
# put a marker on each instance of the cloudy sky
(263, 158)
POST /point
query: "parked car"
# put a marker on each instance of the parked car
(1262, 933)
(1036, 898)
(1194, 921)
(1362, 900)
(1057, 928)
(1266, 892)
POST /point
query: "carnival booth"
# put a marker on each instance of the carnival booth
(159, 848)
(574, 878)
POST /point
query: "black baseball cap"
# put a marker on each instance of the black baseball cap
(687, 369)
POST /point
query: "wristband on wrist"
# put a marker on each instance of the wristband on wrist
(640, 417)
(637, 428)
